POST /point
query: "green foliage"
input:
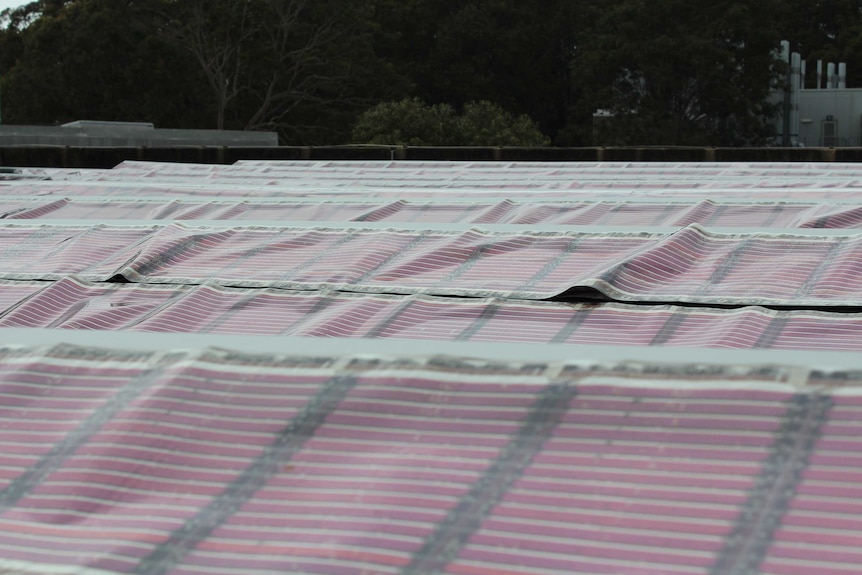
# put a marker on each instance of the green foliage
(90, 59)
(514, 53)
(413, 123)
(486, 124)
(670, 71)
(281, 65)
(828, 30)
(675, 72)
(406, 123)
(303, 68)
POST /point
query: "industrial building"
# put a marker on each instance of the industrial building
(818, 110)
(93, 133)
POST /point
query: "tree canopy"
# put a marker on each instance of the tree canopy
(411, 122)
(679, 72)
(323, 71)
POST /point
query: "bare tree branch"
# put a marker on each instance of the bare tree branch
(274, 55)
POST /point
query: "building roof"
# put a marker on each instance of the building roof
(87, 133)
(418, 367)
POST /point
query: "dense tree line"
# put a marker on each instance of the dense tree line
(466, 71)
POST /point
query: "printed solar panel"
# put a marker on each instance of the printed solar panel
(820, 527)
(601, 498)
(692, 265)
(76, 304)
(181, 459)
(523, 213)
(190, 462)
(429, 180)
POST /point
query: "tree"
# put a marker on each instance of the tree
(406, 123)
(264, 60)
(413, 123)
(675, 72)
(511, 52)
(670, 71)
(828, 30)
(484, 123)
(514, 53)
(91, 59)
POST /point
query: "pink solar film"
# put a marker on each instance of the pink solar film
(617, 213)
(152, 442)
(497, 175)
(821, 527)
(195, 461)
(14, 293)
(600, 497)
(420, 181)
(53, 252)
(77, 304)
(692, 265)
(188, 462)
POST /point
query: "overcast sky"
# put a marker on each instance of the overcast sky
(11, 4)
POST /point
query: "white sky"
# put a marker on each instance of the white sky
(11, 4)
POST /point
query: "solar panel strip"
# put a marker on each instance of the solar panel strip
(649, 458)
(29, 210)
(446, 173)
(398, 180)
(820, 526)
(58, 403)
(45, 252)
(274, 457)
(195, 404)
(585, 506)
(75, 304)
(628, 459)
(453, 533)
(691, 265)
(440, 427)
(631, 213)
(194, 191)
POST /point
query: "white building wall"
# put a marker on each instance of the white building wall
(816, 106)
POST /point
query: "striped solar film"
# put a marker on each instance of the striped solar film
(202, 462)
(76, 304)
(186, 459)
(522, 212)
(691, 265)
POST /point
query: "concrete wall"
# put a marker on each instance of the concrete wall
(108, 134)
(845, 107)
(107, 157)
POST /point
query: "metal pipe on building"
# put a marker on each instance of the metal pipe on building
(830, 75)
(819, 74)
(789, 128)
(802, 75)
(795, 74)
(842, 75)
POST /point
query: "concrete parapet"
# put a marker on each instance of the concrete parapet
(109, 156)
(128, 134)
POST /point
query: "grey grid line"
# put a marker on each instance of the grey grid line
(287, 443)
(464, 519)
